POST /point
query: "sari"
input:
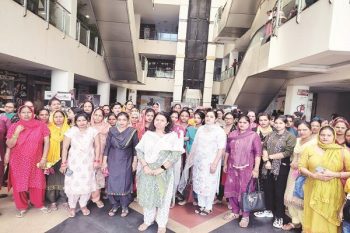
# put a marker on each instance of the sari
(323, 199)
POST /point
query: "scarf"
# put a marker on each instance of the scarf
(56, 137)
(263, 132)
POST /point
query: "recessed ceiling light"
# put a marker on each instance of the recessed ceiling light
(87, 16)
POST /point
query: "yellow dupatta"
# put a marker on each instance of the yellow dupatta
(56, 137)
(326, 197)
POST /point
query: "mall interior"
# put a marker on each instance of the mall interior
(220, 53)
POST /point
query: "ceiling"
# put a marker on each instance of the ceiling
(164, 16)
(113, 22)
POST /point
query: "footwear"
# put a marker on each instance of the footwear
(53, 207)
(125, 212)
(199, 209)
(113, 211)
(244, 222)
(229, 206)
(85, 211)
(161, 230)
(182, 203)
(264, 214)
(71, 213)
(143, 227)
(99, 204)
(65, 206)
(205, 212)
(231, 216)
(278, 223)
(195, 203)
(290, 226)
(45, 210)
(20, 213)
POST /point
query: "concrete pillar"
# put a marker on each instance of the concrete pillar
(297, 99)
(121, 94)
(132, 95)
(104, 89)
(62, 80)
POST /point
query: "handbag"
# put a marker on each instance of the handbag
(299, 187)
(253, 201)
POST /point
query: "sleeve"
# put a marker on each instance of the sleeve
(108, 143)
(228, 147)
(264, 146)
(45, 130)
(304, 159)
(290, 144)
(221, 139)
(11, 131)
(140, 147)
(257, 147)
(70, 132)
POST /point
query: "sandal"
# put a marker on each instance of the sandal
(231, 216)
(290, 226)
(20, 213)
(65, 206)
(71, 213)
(244, 222)
(182, 203)
(143, 227)
(45, 210)
(199, 210)
(113, 211)
(205, 212)
(99, 204)
(125, 212)
(85, 211)
(53, 207)
(161, 230)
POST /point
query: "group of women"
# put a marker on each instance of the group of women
(78, 155)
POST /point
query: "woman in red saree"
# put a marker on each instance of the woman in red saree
(28, 140)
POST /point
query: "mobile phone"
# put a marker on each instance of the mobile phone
(69, 172)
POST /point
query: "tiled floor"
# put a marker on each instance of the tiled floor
(182, 219)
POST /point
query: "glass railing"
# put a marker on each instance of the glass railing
(151, 34)
(55, 14)
(160, 73)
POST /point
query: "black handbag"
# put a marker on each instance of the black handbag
(253, 201)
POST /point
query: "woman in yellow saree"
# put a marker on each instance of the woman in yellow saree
(324, 165)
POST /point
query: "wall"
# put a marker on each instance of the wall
(328, 103)
(158, 47)
(27, 38)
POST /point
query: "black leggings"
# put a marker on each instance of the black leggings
(54, 196)
(274, 194)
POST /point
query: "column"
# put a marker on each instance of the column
(180, 52)
(297, 99)
(132, 95)
(121, 94)
(104, 89)
(62, 81)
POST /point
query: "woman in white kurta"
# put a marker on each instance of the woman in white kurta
(205, 157)
(79, 167)
(158, 151)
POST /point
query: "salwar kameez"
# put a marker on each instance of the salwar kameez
(154, 192)
(120, 151)
(243, 148)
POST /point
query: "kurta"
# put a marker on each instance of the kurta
(321, 208)
(80, 160)
(3, 130)
(289, 198)
(25, 155)
(209, 139)
(119, 149)
(156, 150)
(191, 133)
(242, 149)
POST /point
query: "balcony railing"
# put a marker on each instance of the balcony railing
(154, 35)
(56, 15)
(160, 73)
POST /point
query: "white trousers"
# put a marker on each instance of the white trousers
(161, 215)
(206, 201)
(73, 200)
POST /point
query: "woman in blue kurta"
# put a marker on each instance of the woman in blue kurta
(119, 158)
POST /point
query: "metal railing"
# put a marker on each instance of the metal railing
(58, 16)
(151, 34)
(160, 73)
